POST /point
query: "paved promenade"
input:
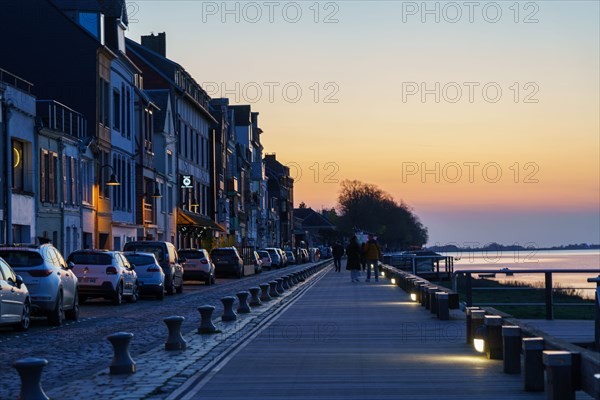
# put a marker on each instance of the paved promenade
(326, 338)
(344, 340)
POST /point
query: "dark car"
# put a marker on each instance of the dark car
(169, 261)
(227, 261)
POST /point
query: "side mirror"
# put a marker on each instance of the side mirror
(70, 265)
(19, 281)
(132, 266)
(182, 260)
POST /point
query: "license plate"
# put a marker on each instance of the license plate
(88, 280)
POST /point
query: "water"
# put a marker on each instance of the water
(535, 259)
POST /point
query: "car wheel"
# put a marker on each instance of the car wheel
(23, 325)
(213, 280)
(208, 281)
(134, 295)
(117, 299)
(57, 316)
(160, 295)
(73, 313)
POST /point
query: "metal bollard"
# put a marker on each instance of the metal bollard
(511, 349)
(533, 367)
(30, 371)
(206, 324)
(228, 313)
(264, 294)
(468, 328)
(175, 341)
(558, 375)
(122, 363)
(254, 296)
(273, 289)
(279, 286)
(443, 306)
(244, 307)
(476, 320)
(493, 324)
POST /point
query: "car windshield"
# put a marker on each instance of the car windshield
(191, 255)
(222, 252)
(21, 259)
(147, 248)
(90, 258)
(139, 259)
(263, 254)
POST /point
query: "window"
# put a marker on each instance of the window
(74, 180)
(169, 162)
(103, 101)
(124, 110)
(170, 199)
(116, 110)
(86, 181)
(67, 179)
(18, 165)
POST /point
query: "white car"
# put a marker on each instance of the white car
(53, 287)
(15, 305)
(197, 265)
(106, 274)
(266, 258)
(150, 276)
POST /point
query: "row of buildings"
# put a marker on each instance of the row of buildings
(104, 140)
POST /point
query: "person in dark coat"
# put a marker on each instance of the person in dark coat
(337, 253)
(353, 261)
(363, 257)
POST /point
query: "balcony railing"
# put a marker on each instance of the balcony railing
(15, 81)
(60, 118)
(148, 214)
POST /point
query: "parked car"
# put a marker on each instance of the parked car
(284, 260)
(169, 261)
(276, 259)
(53, 287)
(304, 254)
(290, 256)
(326, 252)
(198, 265)
(227, 261)
(15, 305)
(104, 273)
(258, 264)
(150, 276)
(265, 258)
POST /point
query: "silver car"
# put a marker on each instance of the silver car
(53, 287)
(14, 299)
(150, 276)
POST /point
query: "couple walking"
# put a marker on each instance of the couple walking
(372, 253)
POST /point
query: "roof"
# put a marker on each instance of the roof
(312, 219)
(160, 98)
(110, 8)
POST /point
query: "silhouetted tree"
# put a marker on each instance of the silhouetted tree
(365, 206)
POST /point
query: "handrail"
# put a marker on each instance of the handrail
(547, 276)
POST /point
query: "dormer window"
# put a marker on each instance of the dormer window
(93, 23)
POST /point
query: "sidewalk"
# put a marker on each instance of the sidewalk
(344, 340)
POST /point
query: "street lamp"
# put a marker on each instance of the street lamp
(112, 180)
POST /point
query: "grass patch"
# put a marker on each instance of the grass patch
(504, 292)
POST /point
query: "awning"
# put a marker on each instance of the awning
(191, 219)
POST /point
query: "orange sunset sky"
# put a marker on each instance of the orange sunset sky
(504, 98)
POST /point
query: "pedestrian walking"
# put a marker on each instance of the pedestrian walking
(373, 255)
(337, 252)
(353, 261)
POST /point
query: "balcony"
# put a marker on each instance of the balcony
(15, 81)
(60, 118)
(148, 214)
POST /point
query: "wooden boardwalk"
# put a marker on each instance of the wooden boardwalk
(344, 340)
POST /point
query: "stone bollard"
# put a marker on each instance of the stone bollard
(228, 313)
(476, 320)
(493, 324)
(254, 296)
(596, 383)
(279, 286)
(432, 299)
(286, 282)
(558, 375)
(533, 367)
(30, 371)
(273, 289)
(468, 328)
(443, 306)
(423, 295)
(264, 294)
(511, 349)
(301, 277)
(244, 307)
(175, 341)
(206, 324)
(122, 363)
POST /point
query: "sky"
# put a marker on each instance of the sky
(483, 117)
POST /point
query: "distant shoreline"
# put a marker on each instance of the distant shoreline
(454, 249)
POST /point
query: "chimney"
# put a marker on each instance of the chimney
(156, 43)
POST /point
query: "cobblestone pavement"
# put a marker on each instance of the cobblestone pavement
(79, 350)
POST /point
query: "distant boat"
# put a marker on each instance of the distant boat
(507, 271)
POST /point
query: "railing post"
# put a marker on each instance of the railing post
(469, 289)
(548, 291)
(597, 311)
